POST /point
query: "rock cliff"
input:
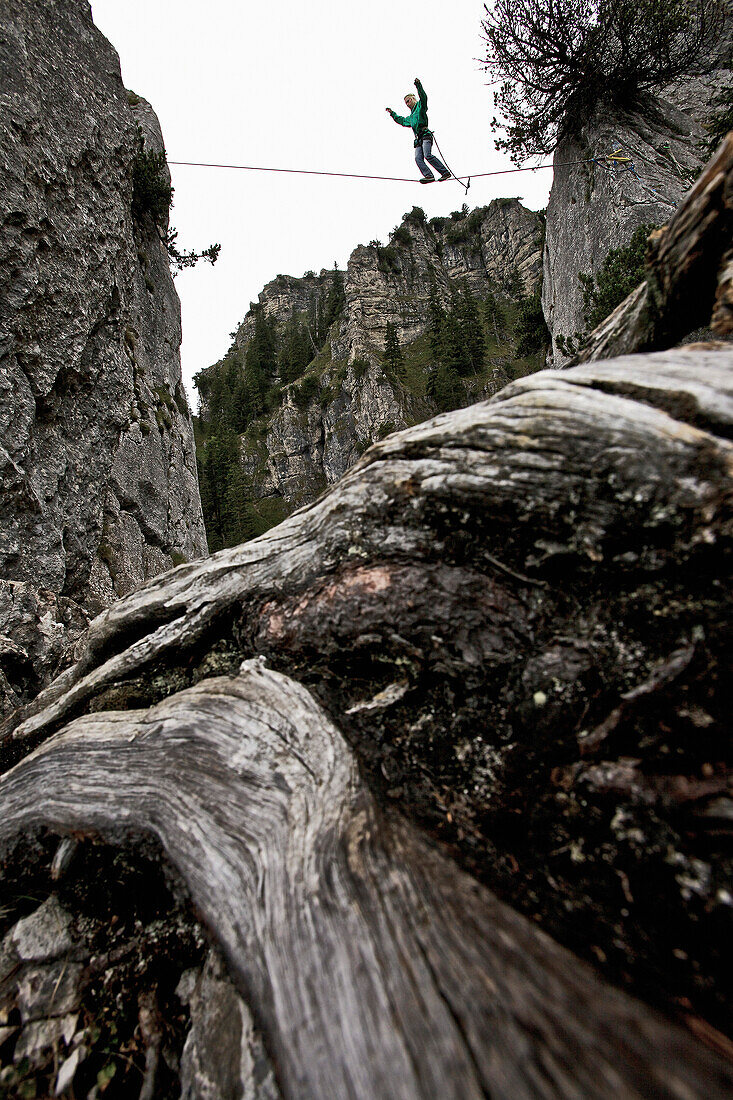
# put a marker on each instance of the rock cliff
(347, 396)
(99, 487)
(596, 205)
(497, 247)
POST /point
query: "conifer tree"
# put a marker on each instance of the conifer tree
(237, 523)
(393, 357)
(219, 399)
(221, 455)
(437, 319)
(295, 351)
(454, 350)
(260, 363)
(335, 300)
(495, 316)
(445, 388)
(242, 410)
(472, 334)
(531, 328)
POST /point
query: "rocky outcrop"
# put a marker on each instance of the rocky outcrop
(497, 248)
(36, 636)
(284, 296)
(99, 487)
(305, 449)
(596, 206)
(303, 446)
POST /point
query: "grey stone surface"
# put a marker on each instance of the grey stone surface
(38, 633)
(97, 465)
(305, 450)
(223, 1057)
(594, 208)
(40, 983)
(44, 934)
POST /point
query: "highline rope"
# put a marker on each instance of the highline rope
(359, 176)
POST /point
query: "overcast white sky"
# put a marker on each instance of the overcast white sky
(302, 85)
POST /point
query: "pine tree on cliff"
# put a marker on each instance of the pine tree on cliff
(220, 458)
(237, 519)
(555, 62)
(437, 318)
(495, 316)
(295, 350)
(393, 357)
(260, 362)
(471, 329)
(335, 299)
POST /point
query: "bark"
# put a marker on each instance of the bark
(376, 967)
(689, 275)
(511, 624)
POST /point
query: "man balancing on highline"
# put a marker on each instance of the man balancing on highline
(418, 120)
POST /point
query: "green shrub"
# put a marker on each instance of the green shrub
(416, 216)
(305, 391)
(401, 235)
(152, 198)
(152, 194)
(620, 273)
(388, 260)
(164, 396)
(531, 328)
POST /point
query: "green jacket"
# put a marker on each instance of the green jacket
(418, 118)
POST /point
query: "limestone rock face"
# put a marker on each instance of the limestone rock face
(497, 248)
(307, 449)
(37, 627)
(594, 207)
(281, 298)
(99, 486)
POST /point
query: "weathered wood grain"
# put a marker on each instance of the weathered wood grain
(564, 457)
(478, 603)
(375, 966)
(722, 323)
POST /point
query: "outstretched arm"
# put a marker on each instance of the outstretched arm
(398, 118)
(421, 92)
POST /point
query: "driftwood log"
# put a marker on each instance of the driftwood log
(689, 282)
(375, 966)
(509, 626)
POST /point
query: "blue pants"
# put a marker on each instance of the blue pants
(424, 153)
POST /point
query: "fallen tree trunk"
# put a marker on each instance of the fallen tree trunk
(375, 967)
(517, 617)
